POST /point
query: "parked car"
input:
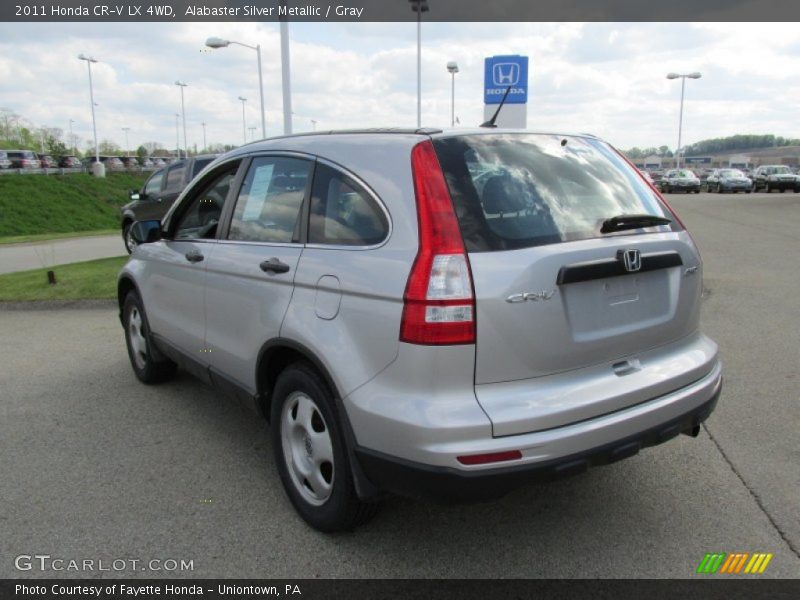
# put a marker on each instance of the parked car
(23, 159)
(683, 180)
(146, 163)
(405, 333)
(47, 162)
(729, 180)
(646, 176)
(159, 192)
(130, 162)
(69, 162)
(158, 162)
(775, 177)
(5, 163)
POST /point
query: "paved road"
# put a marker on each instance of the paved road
(96, 465)
(35, 255)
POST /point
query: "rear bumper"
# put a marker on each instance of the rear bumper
(550, 454)
(448, 484)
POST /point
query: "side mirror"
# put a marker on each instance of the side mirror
(146, 232)
(134, 195)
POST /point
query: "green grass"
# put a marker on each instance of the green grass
(41, 237)
(94, 279)
(75, 202)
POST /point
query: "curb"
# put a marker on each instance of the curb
(58, 304)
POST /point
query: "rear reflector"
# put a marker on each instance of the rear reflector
(482, 459)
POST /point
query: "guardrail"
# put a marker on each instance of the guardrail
(62, 171)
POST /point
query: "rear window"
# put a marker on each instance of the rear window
(522, 190)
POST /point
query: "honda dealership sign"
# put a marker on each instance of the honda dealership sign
(500, 74)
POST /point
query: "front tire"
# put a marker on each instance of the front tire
(127, 238)
(310, 452)
(148, 365)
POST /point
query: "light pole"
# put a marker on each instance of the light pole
(215, 42)
(71, 138)
(127, 148)
(204, 136)
(177, 137)
(682, 77)
(452, 67)
(286, 76)
(419, 7)
(244, 119)
(183, 112)
(252, 133)
(313, 124)
(98, 169)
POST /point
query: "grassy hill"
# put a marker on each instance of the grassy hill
(52, 204)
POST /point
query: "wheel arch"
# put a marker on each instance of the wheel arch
(277, 354)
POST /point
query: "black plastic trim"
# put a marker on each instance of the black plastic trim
(613, 267)
(448, 484)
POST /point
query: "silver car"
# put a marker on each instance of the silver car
(444, 314)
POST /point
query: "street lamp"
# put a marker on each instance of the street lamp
(252, 133)
(177, 137)
(183, 112)
(204, 136)
(244, 119)
(419, 7)
(71, 138)
(215, 42)
(682, 77)
(452, 67)
(313, 124)
(127, 148)
(98, 169)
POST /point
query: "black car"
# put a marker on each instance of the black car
(680, 180)
(775, 177)
(158, 193)
(47, 162)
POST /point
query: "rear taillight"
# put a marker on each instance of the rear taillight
(438, 304)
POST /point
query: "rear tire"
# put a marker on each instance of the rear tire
(311, 454)
(148, 365)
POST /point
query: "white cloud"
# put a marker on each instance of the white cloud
(607, 78)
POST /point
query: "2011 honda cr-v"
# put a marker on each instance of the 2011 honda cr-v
(442, 314)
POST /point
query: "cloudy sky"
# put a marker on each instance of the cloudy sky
(603, 78)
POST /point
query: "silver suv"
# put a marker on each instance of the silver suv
(440, 314)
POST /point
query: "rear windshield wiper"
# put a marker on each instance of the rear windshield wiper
(624, 222)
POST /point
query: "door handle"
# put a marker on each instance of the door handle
(194, 256)
(273, 265)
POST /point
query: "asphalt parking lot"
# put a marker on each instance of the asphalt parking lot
(97, 466)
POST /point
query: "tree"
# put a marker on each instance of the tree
(109, 147)
(141, 152)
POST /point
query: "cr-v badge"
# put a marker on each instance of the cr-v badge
(532, 296)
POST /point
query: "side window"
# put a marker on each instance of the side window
(153, 185)
(268, 206)
(200, 218)
(174, 178)
(342, 212)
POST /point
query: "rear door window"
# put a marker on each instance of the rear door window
(521, 190)
(342, 212)
(268, 207)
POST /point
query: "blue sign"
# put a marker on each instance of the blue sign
(501, 72)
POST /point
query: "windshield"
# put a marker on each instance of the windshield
(686, 174)
(782, 170)
(731, 173)
(521, 190)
